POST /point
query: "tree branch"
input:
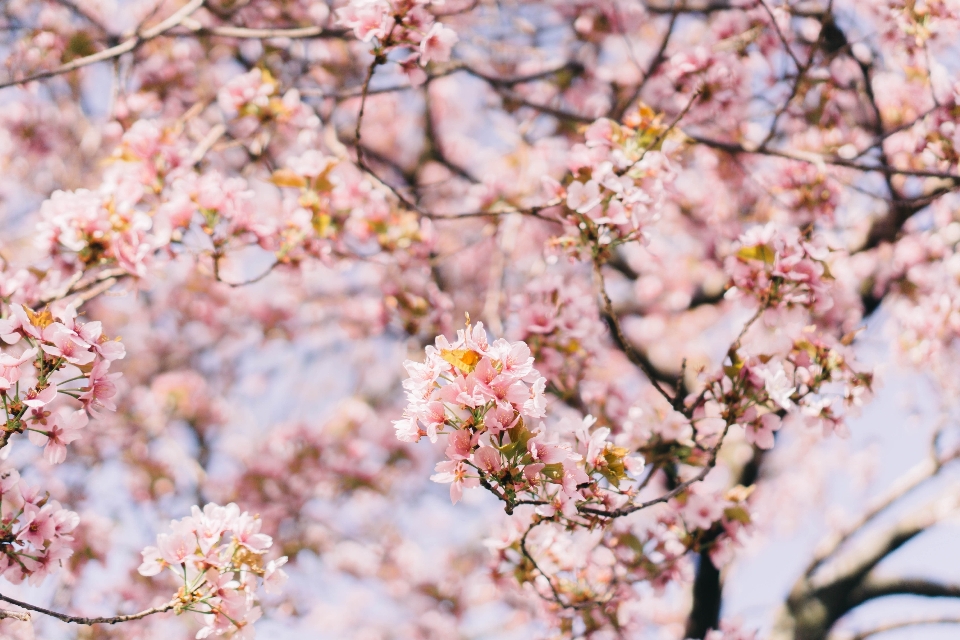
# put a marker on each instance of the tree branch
(84, 620)
(126, 46)
(900, 624)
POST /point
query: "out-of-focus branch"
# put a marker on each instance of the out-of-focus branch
(816, 159)
(176, 19)
(901, 487)
(690, 7)
(245, 33)
(899, 624)
(816, 602)
(637, 358)
(879, 588)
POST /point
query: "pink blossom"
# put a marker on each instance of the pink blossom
(367, 18)
(63, 431)
(487, 459)
(701, 511)
(455, 472)
(437, 44)
(760, 432)
(101, 388)
(34, 398)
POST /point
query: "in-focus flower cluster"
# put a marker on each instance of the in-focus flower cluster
(485, 397)
(34, 531)
(218, 555)
(49, 349)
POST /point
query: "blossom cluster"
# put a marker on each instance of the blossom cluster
(337, 209)
(50, 347)
(816, 377)
(781, 267)
(257, 94)
(34, 531)
(217, 555)
(560, 323)
(152, 202)
(401, 24)
(486, 397)
(348, 453)
(619, 178)
(114, 225)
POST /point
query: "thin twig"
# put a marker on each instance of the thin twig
(680, 488)
(244, 33)
(900, 624)
(114, 52)
(84, 620)
(631, 353)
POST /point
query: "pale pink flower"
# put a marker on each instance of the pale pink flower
(700, 512)
(56, 437)
(455, 472)
(583, 197)
(34, 398)
(101, 388)
(246, 532)
(67, 345)
(437, 44)
(367, 18)
(760, 432)
(273, 576)
(488, 460)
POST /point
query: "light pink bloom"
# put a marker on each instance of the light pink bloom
(455, 472)
(67, 345)
(246, 531)
(760, 432)
(101, 388)
(437, 44)
(273, 576)
(583, 197)
(367, 18)
(488, 460)
(58, 435)
(34, 398)
(700, 512)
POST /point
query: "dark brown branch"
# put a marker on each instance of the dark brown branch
(901, 624)
(738, 149)
(817, 602)
(878, 588)
(638, 359)
(84, 620)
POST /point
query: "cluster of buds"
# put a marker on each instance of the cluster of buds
(217, 555)
(51, 349)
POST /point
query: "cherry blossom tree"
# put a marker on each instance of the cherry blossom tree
(276, 275)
